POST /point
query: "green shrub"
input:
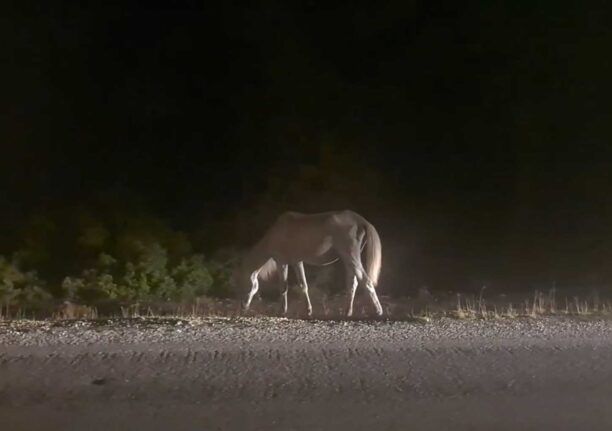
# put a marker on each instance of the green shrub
(110, 253)
(192, 277)
(150, 277)
(20, 288)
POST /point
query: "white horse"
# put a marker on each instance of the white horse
(316, 239)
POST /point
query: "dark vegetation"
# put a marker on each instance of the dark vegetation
(106, 254)
(110, 251)
(114, 250)
(146, 144)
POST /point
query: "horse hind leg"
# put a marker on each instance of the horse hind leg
(356, 274)
(301, 276)
(351, 287)
(363, 277)
(349, 253)
(372, 292)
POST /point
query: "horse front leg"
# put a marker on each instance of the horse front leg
(252, 292)
(284, 282)
(301, 276)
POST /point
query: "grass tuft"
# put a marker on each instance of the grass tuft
(326, 307)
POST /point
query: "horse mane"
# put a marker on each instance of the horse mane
(268, 270)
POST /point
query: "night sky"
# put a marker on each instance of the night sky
(488, 123)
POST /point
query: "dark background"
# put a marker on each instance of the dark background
(475, 136)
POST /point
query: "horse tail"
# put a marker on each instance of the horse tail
(373, 252)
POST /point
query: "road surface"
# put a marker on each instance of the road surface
(278, 374)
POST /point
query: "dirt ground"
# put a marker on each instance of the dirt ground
(269, 374)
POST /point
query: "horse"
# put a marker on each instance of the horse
(316, 239)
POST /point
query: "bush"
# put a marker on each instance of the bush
(108, 254)
(193, 277)
(150, 277)
(19, 288)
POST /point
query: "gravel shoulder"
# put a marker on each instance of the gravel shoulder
(267, 373)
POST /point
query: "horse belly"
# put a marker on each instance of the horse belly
(321, 247)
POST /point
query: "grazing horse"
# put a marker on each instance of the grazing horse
(316, 239)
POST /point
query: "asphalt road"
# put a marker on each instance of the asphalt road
(268, 374)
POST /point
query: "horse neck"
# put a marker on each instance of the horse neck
(255, 258)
